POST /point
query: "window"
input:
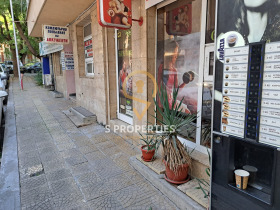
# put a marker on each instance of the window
(184, 61)
(88, 50)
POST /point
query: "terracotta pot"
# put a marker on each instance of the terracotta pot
(147, 155)
(180, 175)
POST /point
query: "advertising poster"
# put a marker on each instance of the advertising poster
(124, 69)
(115, 13)
(238, 24)
(55, 34)
(179, 20)
(88, 48)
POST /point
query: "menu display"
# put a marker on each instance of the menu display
(270, 108)
(234, 91)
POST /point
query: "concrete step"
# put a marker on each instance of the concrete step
(177, 196)
(75, 119)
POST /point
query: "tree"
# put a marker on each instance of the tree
(26, 43)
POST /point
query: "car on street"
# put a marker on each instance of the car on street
(9, 65)
(4, 77)
(34, 68)
(5, 70)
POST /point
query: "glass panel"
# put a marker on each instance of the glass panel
(211, 64)
(210, 21)
(88, 48)
(89, 68)
(124, 69)
(178, 47)
(206, 114)
(87, 30)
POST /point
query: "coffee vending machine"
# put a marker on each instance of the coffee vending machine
(246, 118)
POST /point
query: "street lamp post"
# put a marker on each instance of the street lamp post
(15, 37)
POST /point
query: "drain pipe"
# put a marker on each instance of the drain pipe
(107, 100)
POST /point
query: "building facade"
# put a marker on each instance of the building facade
(104, 57)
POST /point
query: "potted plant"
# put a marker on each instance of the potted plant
(149, 147)
(177, 160)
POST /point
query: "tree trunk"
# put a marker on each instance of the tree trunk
(23, 56)
(27, 42)
(14, 58)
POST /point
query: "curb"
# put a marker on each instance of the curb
(180, 199)
(9, 172)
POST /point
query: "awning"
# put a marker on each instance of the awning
(53, 12)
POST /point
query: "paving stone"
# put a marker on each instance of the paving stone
(88, 179)
(81, 168)
(70, 153)
(105, 202)
(33, 182)
(68, 201)
(35, 196)
(66, 146)
(75, 160)
(94, 156)
(53, 165)
(104, 145)
(58, 175)
(29, 162)
(49, 156)
(44, 205)
(95, 190)
(98, 139)
(88, 149)
(112, 150)
(127, 195)
(64, 186)
(134, 176)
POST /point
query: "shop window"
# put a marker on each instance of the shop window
(178, 54)
(89, 68)
(185, 58)
(210, 21)
(124, 68)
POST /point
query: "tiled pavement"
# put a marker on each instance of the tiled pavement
(84, 168)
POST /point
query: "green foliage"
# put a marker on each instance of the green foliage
(172, 117)
(7, 36)
(151, 140)
(203, 185)
(38, 78)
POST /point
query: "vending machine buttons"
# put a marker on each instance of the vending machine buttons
(254, 79)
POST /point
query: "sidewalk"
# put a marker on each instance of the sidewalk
(83, 168)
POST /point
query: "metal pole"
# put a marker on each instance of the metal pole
(15, 37)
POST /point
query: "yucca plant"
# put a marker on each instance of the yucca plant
(151, 141)
(172, 117)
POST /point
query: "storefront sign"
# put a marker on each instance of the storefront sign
(114, 13)
(150, 3)
(88, 48)
(69, 61)
(46, 48)
(56, 34)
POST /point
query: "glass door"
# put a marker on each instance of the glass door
(124, 81)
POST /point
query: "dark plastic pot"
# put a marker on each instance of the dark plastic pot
(147, 155)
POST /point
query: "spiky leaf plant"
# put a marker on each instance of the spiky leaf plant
(174, 119)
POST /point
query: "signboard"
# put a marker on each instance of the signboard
(114, 13)
(234, 91)
(150, 3)
(46, 48)
(56, 34)
(88, 48)
(69, 61)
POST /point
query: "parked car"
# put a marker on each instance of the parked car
(9, 65)
(34, 68)
(6, 70)
(4, 77)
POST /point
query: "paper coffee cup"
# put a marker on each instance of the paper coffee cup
(241, 177)
(253, 171)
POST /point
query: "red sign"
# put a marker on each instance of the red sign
(179, 20)
(114, 13)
